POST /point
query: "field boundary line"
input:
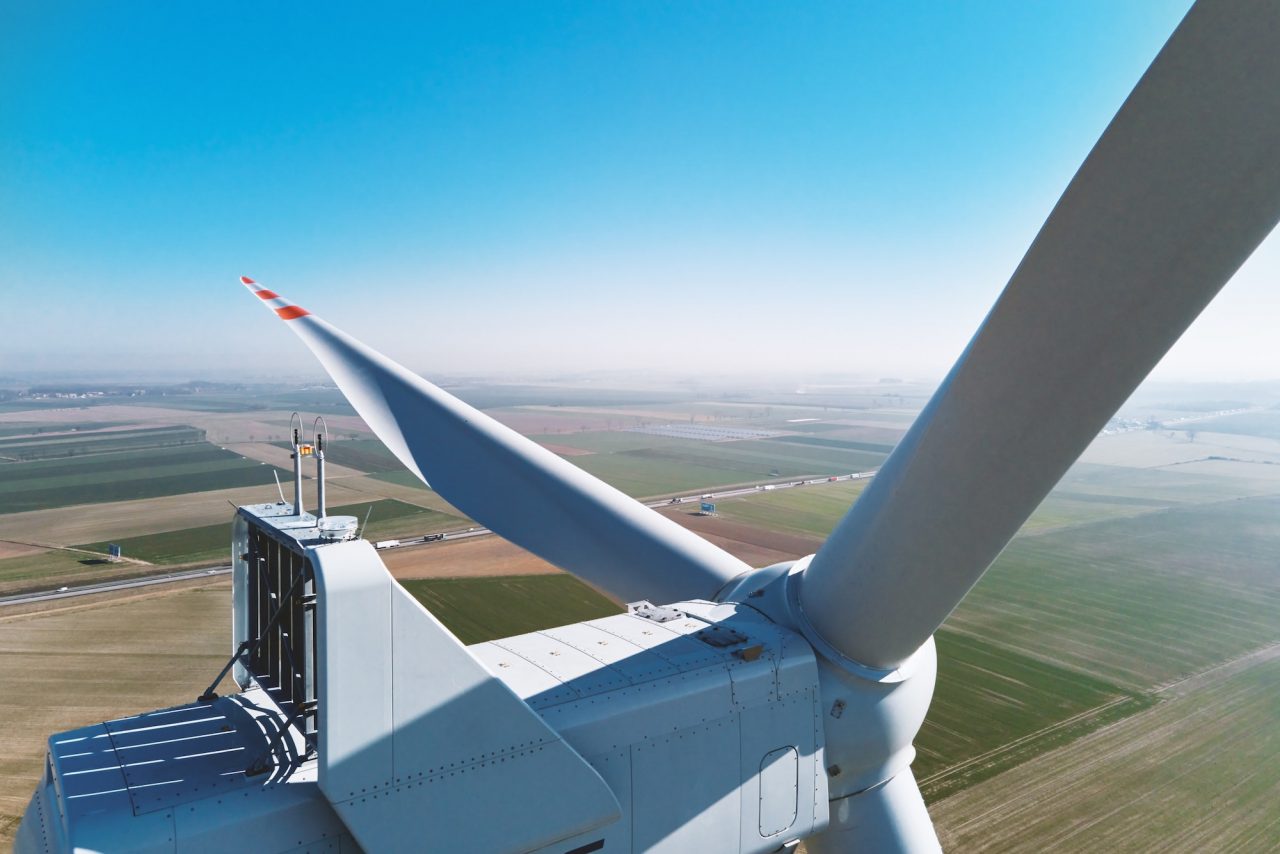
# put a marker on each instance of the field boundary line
(995, 752)
(1262, 653)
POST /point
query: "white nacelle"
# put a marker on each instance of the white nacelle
(695, 726)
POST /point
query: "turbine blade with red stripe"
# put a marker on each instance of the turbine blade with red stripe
(509, 483)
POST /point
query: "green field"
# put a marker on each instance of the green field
(400, 478)
(805, 510)
(208, 544)
(1137, 601)
(644, 465)
(52, 569)
(212, 543)
(481, 609)
(993, 708)
(501, 396)
(125, 475)
(1115, 586)
(816, 509)
(1194, 773)
(23, 428)
(1170, 484)
(842, 444)
(80, 443)
(368, 455)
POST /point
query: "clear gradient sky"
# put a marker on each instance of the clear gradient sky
(538, 186)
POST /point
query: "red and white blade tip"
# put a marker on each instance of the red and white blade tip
(284, 309)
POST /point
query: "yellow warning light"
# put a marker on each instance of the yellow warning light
(305, 450)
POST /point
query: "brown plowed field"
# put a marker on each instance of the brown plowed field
(756, 546)
(471, 558)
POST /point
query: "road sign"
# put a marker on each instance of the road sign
(113, 551)
(708, 508)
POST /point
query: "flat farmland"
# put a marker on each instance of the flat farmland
(125, 475)
(1196, 772)
(472, 557)
(207, 544)
(1171, 484)
(9, 430)
(1264, 423)
(643, 465)
(1065, 510)
(1137, 601)
(211, 543)
(993, 708)
(282, 458)
(755, 545)
(481, 609)
(46, 570)
(1114, 587)
(365, 455)
(74, 666)
(84, 442)
(110, 521)
(816, 509)
(813, 510)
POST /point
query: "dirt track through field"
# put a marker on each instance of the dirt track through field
(12, 548)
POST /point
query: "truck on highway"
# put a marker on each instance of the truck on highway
(386, 544)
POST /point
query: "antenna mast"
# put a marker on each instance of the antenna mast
(295, 438)
(320, 431)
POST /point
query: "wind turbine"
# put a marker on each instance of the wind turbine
(758, 707)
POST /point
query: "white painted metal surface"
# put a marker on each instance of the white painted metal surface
(416, 732)
(686, 723)
(172, 780)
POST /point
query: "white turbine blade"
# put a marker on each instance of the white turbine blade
(512, 485)
(1179, 191)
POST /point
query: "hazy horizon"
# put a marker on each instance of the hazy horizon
(562, 188)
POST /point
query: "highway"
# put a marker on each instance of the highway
(656, 505)
(108, 586)
(460, 534)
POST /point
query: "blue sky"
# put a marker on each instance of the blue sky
(837, 187)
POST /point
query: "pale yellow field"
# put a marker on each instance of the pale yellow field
(71, 666)
(1146, 448)
(470, 558)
